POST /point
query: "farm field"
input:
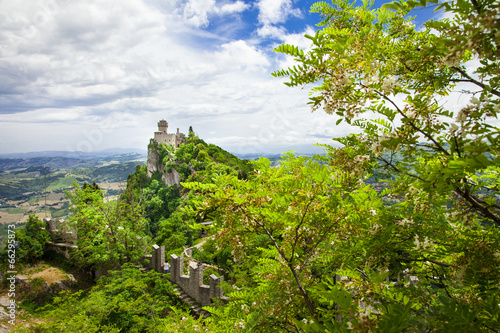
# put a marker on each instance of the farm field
(27, 188)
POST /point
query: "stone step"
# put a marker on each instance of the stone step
(193, 305)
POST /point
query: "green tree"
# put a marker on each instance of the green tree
(301, 211)
(364, 58)
(444, 165)
(109, 232)
(32, 240)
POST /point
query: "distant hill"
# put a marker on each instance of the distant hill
(21, 178)
(88, 160)
(74, 154)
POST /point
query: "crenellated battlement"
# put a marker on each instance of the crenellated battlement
(191, 284)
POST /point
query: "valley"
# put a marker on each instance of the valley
(37, 185)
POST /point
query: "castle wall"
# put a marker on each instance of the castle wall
(192, 284)
(169, 139)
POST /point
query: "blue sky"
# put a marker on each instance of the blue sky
(98, 74)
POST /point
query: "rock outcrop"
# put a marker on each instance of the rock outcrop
(154, 164)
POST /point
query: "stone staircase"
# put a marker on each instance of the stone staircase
(195, 308)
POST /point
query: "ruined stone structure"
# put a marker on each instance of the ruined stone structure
(162, 135)
(62, 241)
(191, 284)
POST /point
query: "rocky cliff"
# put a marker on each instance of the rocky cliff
(154, 164)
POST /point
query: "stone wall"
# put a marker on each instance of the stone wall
(191, 284)
(59, 236)
(62, 241)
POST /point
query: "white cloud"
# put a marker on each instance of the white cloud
(99, 74)
(276, 11)
(239, 54)
(197, 12)
(236, 7)
(272, 31)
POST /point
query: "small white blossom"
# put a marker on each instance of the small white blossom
(389, 83)
(344, 80)
(365, 314)
(461, 116)
(453, 128)
(377, 148)
(239, 324)
(411, 114)
(408, 24)
(425, 245)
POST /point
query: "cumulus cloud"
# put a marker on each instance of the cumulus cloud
(276, 11)
(90, 75)
(197, 12)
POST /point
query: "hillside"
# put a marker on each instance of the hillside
(159, 184)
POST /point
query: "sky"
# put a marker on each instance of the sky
(91, 75)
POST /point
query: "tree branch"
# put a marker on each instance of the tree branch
(471, 80)
(292, 270)
(429, 260)
(398, 170)
(428, 136)
(299, 225)
(476, 203)
(314, 248)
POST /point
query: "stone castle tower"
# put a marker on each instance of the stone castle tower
(154, 164)
(162, 135)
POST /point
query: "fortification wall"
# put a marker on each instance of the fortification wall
(62, 240)
(192, 284)
(170, 139)
(60, 236)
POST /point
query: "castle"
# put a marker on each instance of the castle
(162, 136)
(154, 163)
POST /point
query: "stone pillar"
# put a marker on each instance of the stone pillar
(195, 280)
(158, 258)
(161, 259)
(152, 264)
(50, 225)
(176, 268)
(215, 290)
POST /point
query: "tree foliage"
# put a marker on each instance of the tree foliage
(32, 240)
(375, 62)
(357, 263)
(375, 71)
(109, 233)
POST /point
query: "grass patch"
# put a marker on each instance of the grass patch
(64, 182)
(18, 210)
(34, 200)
